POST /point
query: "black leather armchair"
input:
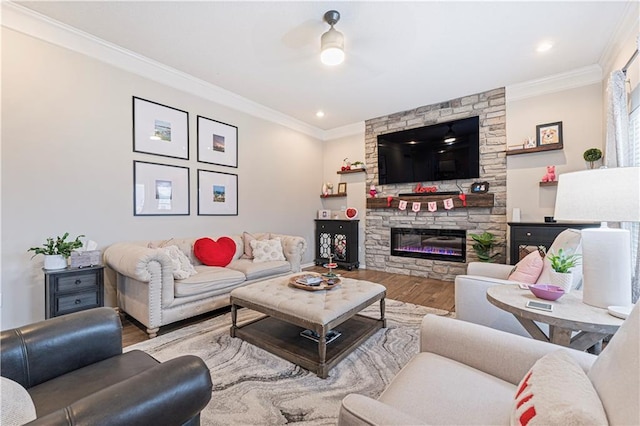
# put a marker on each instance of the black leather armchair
(76, 373)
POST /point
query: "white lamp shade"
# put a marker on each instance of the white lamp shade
(332, 46)
(599, 195)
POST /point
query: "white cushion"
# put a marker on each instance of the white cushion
(557, 391)
(17, 406)
(247, 238)
(570, 241)
(267, 251)
(182, 267)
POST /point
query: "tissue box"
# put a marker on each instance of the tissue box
(82, 259)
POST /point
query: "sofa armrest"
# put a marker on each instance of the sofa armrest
(293, 248)
(38, 352)
(136, 261)
(495, 352)
(169, 394)
(491, 270)
(472, 305)
(361, 410)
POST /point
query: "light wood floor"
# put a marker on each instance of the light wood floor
(420, 291)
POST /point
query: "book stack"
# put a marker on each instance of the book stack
(311, 280)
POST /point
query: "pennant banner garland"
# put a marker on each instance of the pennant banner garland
(432, 206)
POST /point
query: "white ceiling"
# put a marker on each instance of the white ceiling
(399, 55)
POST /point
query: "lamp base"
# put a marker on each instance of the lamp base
(606, 265)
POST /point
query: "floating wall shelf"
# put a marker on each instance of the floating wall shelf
(473, 200)
(333, 195)
(550, 147)
(555, 183)
(346, 172)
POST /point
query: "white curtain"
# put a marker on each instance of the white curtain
(622, 149)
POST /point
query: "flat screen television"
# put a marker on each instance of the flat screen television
(443, 151)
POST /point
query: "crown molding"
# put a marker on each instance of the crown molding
(24, 20)
(585, 76)
(343, 131)
(628, 28)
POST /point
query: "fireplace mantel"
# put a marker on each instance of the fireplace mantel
(473, 200)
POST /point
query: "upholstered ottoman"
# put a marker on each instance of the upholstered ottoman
(298, 323)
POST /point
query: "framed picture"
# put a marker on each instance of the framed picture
(160, 189)
(342, 188)
(549, 134)
(217, 193)
(160, 130)
(217, 142)
(479, 187)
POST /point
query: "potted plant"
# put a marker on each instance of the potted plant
(484, 245)
(592, 155)
(357, 165)
(562, 263)
(56, 251)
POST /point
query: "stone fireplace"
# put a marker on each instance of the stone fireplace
(425, 243)
(470, 219)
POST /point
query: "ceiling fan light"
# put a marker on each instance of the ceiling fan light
(332, 47)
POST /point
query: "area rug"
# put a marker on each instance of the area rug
(253, 387)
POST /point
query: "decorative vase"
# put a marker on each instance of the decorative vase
(55, 261)
(564, 280)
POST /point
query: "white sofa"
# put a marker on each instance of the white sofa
(147, 290)
(467, 374)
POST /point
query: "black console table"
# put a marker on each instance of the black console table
(537, 234)
(338, 238)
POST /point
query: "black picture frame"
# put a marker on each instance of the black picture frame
(549, 134)
(160, 129)
(480, 187)
(217, 142)
(160, 189)
(217, 193)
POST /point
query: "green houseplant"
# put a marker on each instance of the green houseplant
(592, 155)
(562, 263)
(56, 251)
(484, 245)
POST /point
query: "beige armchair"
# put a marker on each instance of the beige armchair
(467, 374)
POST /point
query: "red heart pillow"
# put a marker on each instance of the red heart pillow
(215, 253)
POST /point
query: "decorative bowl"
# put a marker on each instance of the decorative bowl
(546, 291)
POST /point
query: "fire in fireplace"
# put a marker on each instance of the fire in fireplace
(436, 244)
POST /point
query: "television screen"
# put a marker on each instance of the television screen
(443, 151)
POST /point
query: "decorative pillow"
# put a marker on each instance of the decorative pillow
(247, 238)
(570, 241)
(556, 391)
(17, 406)
(528, 269)
(266, 251)
(215, 253)
(182, 267)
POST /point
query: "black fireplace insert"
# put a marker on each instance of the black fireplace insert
(435, 244)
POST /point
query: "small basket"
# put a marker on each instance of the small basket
(83, 259)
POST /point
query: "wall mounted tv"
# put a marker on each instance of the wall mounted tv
(443, 151)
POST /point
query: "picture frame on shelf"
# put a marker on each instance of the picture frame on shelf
(160, 129)
(160, 189)
(217, 142)
(549, 134)
(217, 193)
(342, 188)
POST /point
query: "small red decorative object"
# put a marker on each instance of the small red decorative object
(389, 200)
(422, 189)
(351, 213)
(551, 174)
(463, 197)
(215, 253)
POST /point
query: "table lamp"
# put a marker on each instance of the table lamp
(602, 195)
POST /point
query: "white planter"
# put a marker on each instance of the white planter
(55, 261)
(562, 280)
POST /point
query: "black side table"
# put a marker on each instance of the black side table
(73, 289)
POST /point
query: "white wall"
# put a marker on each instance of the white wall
(580, 111)
(67, 165)
(351, 147)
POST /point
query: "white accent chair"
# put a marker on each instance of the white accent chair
(467, 374)
(471, 289)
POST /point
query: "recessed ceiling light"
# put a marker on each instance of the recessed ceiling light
(320, 114)
(544, 46)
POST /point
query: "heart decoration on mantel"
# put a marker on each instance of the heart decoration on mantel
(215, 253)
(351, 213)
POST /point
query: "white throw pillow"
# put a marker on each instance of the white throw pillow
(182, 267)
(570, 241)
(557, 391)
(267, 250)
(17, 406)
